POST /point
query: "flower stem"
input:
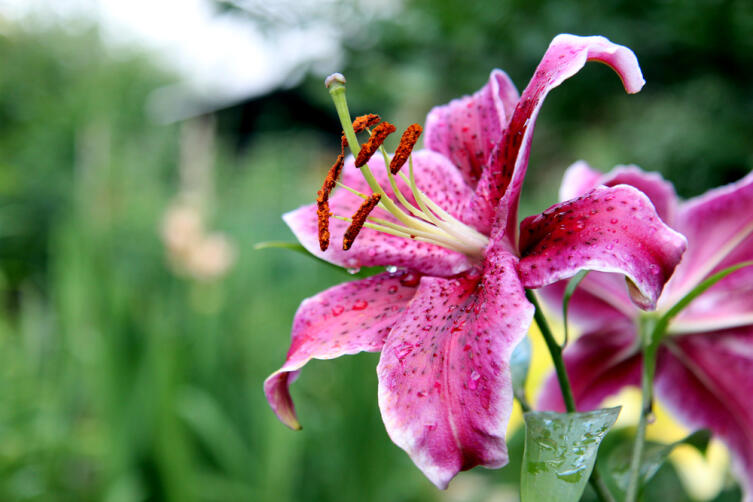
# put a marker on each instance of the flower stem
(555, 350)
(651, 332)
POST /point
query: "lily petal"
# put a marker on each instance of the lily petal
(435, 176)
(599, 364)
(580, 178)
(609, 230)
(345, 319)
(466, 129)
(707, 381)
(445, 389)
(566, 55)
(720, 233)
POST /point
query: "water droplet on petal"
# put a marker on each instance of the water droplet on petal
(338, 309)
(410, 279)
(392, 289)
(473, 381)
(353, 270)
(391, 269)
(360, 305)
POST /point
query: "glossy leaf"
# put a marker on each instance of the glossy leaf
(560, 451)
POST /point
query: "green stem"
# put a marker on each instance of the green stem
(651, 332)
(555, 350)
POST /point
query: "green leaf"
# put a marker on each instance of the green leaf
(569, 290)
(520, 361)
(560, 452)
(654, 455)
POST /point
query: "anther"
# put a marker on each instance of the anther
(332, 176)
(359, 219)
(323, 214)
(378, 135)
(361, 123)
(407, 142)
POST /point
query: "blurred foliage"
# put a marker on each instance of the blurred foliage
(121, 382)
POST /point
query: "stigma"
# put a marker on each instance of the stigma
(422, 219)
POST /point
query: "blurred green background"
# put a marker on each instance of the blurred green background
(131, 367)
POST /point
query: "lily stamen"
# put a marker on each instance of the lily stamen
(423, 219)
(377, 137)
(358, 220)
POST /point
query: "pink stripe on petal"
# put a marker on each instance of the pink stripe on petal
(345, 319)
(608, 230)
(599, 365)
(707, 381)
(566, 55)
(466, 129)
(434, 175)
(444, 379)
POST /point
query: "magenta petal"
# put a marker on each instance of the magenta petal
(345, 319)
(707, 381)
(444, 380)
(466, 129)
(609, 230)
(599, 364)
(720, 233)
(439, 179)
(566, 55)
(580, 178)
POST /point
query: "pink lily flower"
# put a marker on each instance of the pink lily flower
(451, 306)
(704, 372)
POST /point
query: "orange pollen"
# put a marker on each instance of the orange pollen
(378, 135)
(323, 214)
(364, 121)
(359, 219)
(407, 142)
(331, 179)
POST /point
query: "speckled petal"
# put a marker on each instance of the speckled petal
(608, 230)
(467, 129)
(599, 365)
(444, 379)
(580, 178)
(566, 55)
(439, 179)
(345, 319)
(719, 228)
(707, 382)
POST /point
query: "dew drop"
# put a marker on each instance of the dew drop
(353, 270)
(337, 310)
(392, 290)
(473, 381)
(650, 418)
(360, 304)
(391, 269)
(410, 279)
